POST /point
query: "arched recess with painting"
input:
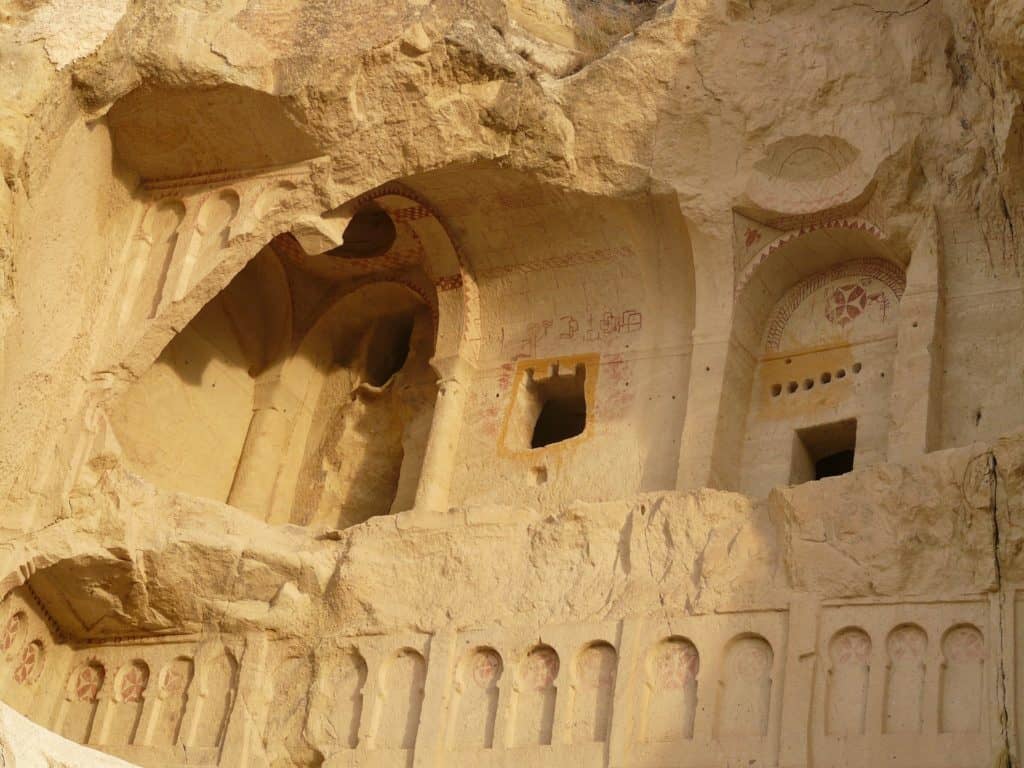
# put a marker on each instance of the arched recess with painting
(307, 389)
(814, 355)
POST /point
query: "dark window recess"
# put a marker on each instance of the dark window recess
(834, 464)
(560, 418)
(826, 450)
(370, 233)
(387, 348)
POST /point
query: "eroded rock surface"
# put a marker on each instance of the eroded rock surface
(605, 382)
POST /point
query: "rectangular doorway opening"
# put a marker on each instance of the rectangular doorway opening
(825, 450)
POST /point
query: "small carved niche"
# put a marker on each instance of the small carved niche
(670, 696)
(904, 683)
(744, 704)
(595, 687)
(847, 682)
(220, 678)
(535, 698)
(962, 680)
(823, 451)
(552, 402)
(30, 663)
(173, 694)
(82, 700)
(477, 689)
(129, 698)
(348, 681)
(13, 635)
(398, 718)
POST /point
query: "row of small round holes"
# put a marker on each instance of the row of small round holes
(826, 377)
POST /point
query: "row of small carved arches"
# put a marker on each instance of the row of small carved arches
(960, 689)
(260, 199)
(540, 667)
(743, 707)
(29, 657)
(961, 642)
(86, 687)
(86, 681)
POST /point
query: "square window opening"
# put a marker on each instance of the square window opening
(550, 405)
(826, 450)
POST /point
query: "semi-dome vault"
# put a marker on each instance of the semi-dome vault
(609, 383)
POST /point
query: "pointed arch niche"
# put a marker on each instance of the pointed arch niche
(307, 390)
(815, 336)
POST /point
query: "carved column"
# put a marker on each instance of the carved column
(265, 444)
(432, 493)
(709, 450)
(916, 392)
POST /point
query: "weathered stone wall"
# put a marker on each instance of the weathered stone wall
(290, 288)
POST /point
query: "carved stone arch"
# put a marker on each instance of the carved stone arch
(131, 684)
(458, 321)
(745, 688)
(813, 353)
(352, 337)
(216, 684)
(536, 695)
(263, 337)
(671, 689)
(401, 681)
(593, 678)
(907, 649)
(477, 690)
(77, 713)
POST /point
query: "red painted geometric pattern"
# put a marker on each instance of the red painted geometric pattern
(882, 270)
(846, 303)
(31, 663)
(88, 683)
(133, 683)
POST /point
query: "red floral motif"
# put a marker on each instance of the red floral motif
(11, 632)
(965, 644)
(751, 236)
(88, 683)
(846, 303)
(133, 684)
(486, 668)
(677, 664)
(541, 668)
(30, 663)
(852, 647)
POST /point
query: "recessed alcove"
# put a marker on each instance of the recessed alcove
(824, 450)
(303, 391)
(814, 319)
